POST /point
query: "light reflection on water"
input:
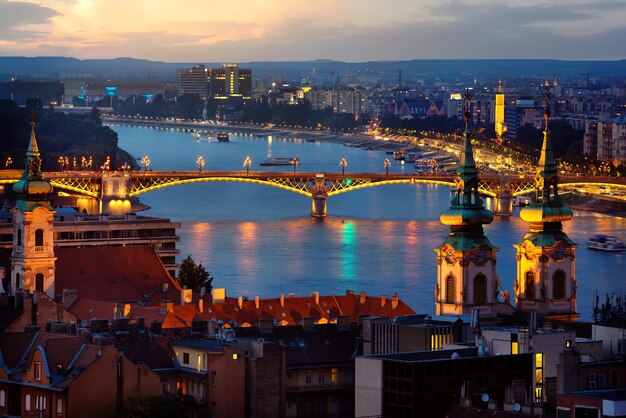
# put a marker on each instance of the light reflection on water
(257, 240)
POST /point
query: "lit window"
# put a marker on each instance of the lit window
(38, 371)
(2, 398)
(27, 403)
(59, 407)
(333, 375)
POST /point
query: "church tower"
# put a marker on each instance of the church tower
(546, 256)
(466, 261)
(33, 260)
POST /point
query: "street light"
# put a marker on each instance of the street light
(343, 163)
(247, 162)
(145, 160)
(200, 162)
(9, 162)
(387, 164)
(294, 163)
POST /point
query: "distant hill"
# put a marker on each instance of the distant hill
(46, 68)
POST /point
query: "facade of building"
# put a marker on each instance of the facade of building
(230, 81)
(194, 80)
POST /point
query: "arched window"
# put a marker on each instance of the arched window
(19, 237)
(530, 285)
(450, 289)
(558, 285)
(480, 289)
(39, 238)
(18, 281)
(39, 282)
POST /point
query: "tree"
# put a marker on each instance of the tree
(194, 276)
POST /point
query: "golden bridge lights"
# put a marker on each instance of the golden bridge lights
(64, 162)
(9, 162)
(145, 161)
(387, 165)
(200, 162)
(343, 164)
(247, 162)
(107, 164)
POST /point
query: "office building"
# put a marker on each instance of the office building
(230, 81)
(193, 80)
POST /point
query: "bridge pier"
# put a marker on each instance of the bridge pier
(318, 206)
(503, 202)
(114, 199)
(503, 205)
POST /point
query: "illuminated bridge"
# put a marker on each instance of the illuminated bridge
(109, 187)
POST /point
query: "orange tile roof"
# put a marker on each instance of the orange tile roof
(114, 274)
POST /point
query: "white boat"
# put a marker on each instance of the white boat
(606, 243)
(521, 201)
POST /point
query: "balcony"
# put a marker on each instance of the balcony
(320, 387)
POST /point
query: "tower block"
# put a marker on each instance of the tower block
(546, 256)
(466, 261)
(32, 259)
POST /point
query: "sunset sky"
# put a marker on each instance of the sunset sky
(349, 30)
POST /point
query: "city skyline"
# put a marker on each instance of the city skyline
(303, 30)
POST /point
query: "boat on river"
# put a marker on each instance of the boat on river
(279, 161)
(603, 242)
(222, 137)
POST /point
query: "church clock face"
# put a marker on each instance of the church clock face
(480, 257)
(450, 256)
(559, 252)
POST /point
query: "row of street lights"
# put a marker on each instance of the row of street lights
(247, 163)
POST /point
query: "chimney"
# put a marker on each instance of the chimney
(349, 292)
(282, 300)
(256, 302)
(291, 295)
(186, 296)
(201, 305)
(316, 295)
(202, 291)
(394, 301)
(165, 307)
(383, 300)
(362, 298)
(308, 323)
(240, 302)
(69, 297)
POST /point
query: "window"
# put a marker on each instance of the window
(558, 284)
(480, 289)
(19, 237)
(2, 399)
(39, 282)
(213, 378)
(27, 403)
(213, 410)
(602, 380)
(530, 285)
(307, 378)
(185, 358)
(40, 403)
(59, 407)
(321, 376)
(165, 387)
(39, 238)
(450, 289)
(37, 369)
(333, 375)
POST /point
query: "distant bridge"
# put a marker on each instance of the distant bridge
(112, 185)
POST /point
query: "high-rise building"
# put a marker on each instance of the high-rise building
(500, 127)
(230, 81)
(194, 80)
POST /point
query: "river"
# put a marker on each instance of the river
(258, 240)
